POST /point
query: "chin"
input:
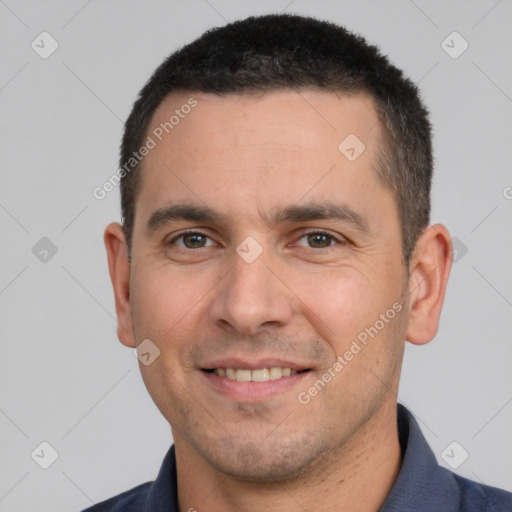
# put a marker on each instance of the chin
(265, 462)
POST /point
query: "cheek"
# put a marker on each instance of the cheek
(165, 306)
(356, 313)
(340, 304)
(163, 303)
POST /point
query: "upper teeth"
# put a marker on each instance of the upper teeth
(259, 375)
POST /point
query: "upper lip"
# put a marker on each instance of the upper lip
(254, 363)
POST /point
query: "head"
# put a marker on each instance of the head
(278, 219)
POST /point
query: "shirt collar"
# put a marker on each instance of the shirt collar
(422, 485)
(163, 493)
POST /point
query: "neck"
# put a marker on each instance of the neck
(357, 477)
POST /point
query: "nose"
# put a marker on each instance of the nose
(251, 296)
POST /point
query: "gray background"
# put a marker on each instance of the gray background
(64, 377)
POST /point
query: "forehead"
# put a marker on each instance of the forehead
(266, 150)
(315, 120)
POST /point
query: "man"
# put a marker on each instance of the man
(274, 257)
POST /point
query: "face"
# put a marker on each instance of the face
(267, 268)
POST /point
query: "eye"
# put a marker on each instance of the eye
(191, 240)
(194, 239)
(319, 240)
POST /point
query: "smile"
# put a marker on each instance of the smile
(255, 375)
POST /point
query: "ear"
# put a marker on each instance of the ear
(119, 269)
(429, 271)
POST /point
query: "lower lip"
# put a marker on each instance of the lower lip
(252, 391)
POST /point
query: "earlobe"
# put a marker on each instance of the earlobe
(429, 271)
(119, 269)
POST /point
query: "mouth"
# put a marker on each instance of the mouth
(255, 375)
(257, 381)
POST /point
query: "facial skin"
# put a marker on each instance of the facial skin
(302, 302)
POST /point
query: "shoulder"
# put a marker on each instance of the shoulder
(159, 495)
(424, 485)
(476, 497)
(132, 500)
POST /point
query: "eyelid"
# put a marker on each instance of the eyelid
(339, 239)
(194, 231)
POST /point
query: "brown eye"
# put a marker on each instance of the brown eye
(192, 240)
(319, 240)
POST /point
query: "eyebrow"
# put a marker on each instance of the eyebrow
(310, 211)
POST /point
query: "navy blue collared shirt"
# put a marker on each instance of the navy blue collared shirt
(422, 485)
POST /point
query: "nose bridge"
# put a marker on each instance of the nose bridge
(251, 295)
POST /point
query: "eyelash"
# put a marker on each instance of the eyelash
(304, 234)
